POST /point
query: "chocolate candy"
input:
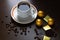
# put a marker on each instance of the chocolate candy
(40, 13)
(38, 22)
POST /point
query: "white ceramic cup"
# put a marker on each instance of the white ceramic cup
(23, 12)
(26, 13)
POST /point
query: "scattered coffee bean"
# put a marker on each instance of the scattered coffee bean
(10, 22)
(6, 16)
(15, 31)
(25, 33)
(36, 31)
(28, 31)
(2, 21)
(29, 26)
(8, 32)
(7, 25)
(37, 38)
(21, 33)
(24, 30)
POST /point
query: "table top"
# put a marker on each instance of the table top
(10, 30)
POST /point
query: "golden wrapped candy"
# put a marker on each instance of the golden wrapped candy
(50, 21)
(47, 27)
(40, 13)
(38, 22)
(46, 38)
(47, 18)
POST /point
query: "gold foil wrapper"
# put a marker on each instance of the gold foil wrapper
(38, 22)
(46, 38)
(47, 27)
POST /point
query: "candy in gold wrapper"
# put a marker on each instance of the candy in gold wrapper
(50, 21)
(46, 38)
(38, 22)
(40, 13)
(47, 18)
(47, 27)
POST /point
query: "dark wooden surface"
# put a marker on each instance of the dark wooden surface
(10, 30)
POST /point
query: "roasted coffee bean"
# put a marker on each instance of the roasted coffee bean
(28, 31)
(37, 38)
(10, 22)
(25, 33)
(2, 21)
(6, 16)
(24, 30)
(15, 30)
(7, 25)
(29, 26)
(8, 32)
(36, 31)
(21, 33)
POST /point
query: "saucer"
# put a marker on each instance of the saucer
(14, 15)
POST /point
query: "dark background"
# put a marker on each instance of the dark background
(50, 7)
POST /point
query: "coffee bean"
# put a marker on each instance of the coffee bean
(7, 25)
(29, 26)
(36, 31)
(9, 30)
(28, 31)
(21, 33)
(2, 21)
(25, 33)
(37, 38)
(24, 30)
(10, 22)
(6, 16)
(15, 30)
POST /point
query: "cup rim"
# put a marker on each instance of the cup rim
(26, 3)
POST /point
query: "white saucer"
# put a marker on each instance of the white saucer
(14, 15)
